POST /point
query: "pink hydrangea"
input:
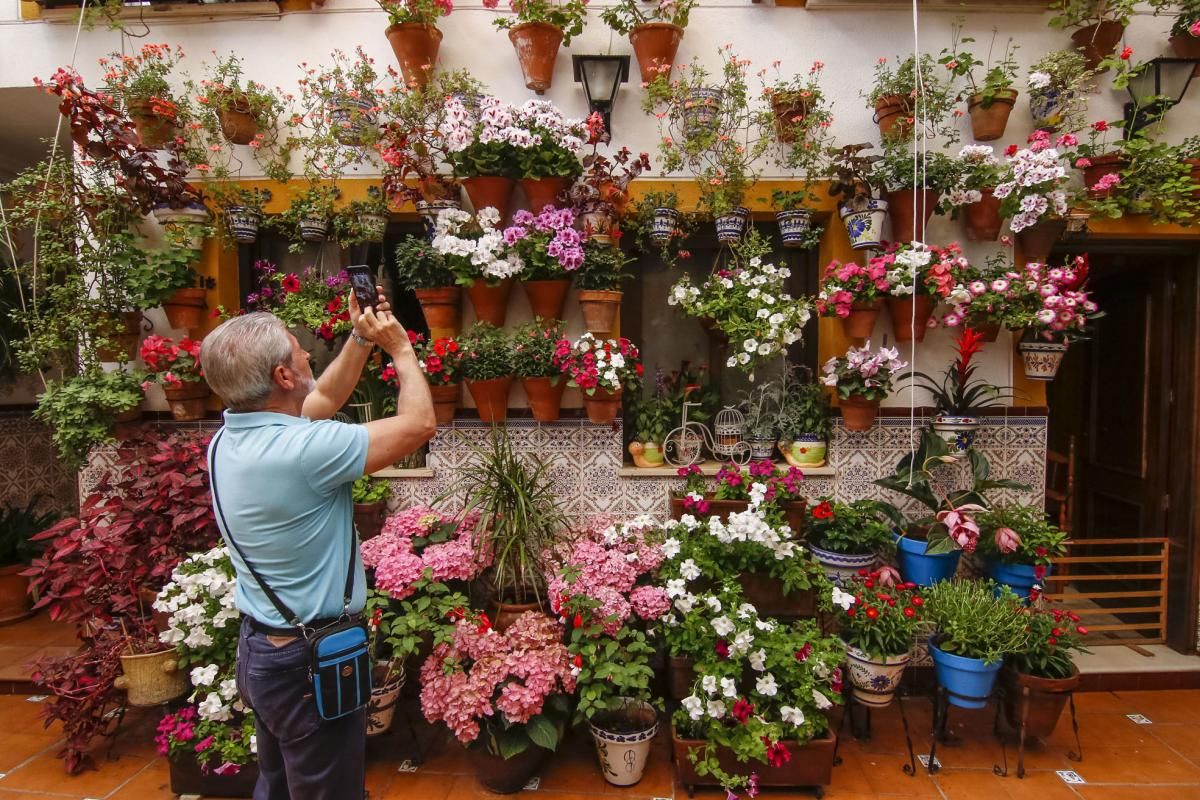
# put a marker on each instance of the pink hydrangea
(649, 602)
(397, 563)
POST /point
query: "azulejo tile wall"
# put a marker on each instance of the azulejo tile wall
(31, 466)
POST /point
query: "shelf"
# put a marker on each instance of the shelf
(964, 6)
(708, 468)
(393, 472)
(171, 12)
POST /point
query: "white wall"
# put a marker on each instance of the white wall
(847, 41)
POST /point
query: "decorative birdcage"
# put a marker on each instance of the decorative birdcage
(685, 444)
(729, 431)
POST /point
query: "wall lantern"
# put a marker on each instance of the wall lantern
(601, 76)
(1156, 89)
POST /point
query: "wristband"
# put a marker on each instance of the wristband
(359, 340)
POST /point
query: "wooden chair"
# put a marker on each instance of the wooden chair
(1060, 486)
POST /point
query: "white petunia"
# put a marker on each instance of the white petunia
(709, 684)
(821, 700)
(689, 570)
(766, 685)
(716, 709)
(793, 715)
(204, 676)
(729, 687)
(723, 626)
(758, 660)
(842, 599)
(694, 706)
(670, 547)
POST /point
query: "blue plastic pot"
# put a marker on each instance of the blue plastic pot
(1018, 577)
(921, 568)
(968, 681)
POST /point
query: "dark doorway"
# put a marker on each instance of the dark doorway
(1126, 400)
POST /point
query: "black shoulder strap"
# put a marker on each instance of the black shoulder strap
(285, 612)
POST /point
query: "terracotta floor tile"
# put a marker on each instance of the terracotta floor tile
(1150, 763)
(419, 784)
(17, 748)
(1138, 792)
(1102, 703)
(885, 773)
(1183, 739)
(1037, 785)
(970, 784)
(14, 661)
(1100, 730)
(20, 715)
(152, 783)
(1175, 707)
(380, 776)
(45, 774)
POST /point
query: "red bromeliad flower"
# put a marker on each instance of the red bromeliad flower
(968, 344)
(742, 710)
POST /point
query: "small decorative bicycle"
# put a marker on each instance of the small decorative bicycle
(684, 445)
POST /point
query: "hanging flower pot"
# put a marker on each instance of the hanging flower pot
(603, 406)
(731, 227)
(186, 309)
(1042, 359)
(151, 679)
(988, 331)
(789, 109)
(1097, 42)
(917, 566)
(352, 118)
(1039, 239)
(429, 210)
(957, 431)
(314, 228)
(839, 567)
(794, 225)
(864, 226)
(655, 45)
(505, 775)
(907, 206)
(893, 116)
(491, 398)
(545, 397)
(646, 455)
(623, 741)
(875, 679)
(490, 191)
(238, 125)
(445, 401)
(1186, 46)
(983, 218)
(129, 331)
(1047, 698)
(546, 298)
(416, 47)
(600, 309)
(440, 307)
(858, 413)
(806, 450)
(968, 681)
(1046, 106)
(188, 400)
(904, 327)
(243, 223)
(542, 192)
(154, 129)
(193, 214)
(663, 226)
(384, 693)
(596, 226)
(989, 121)
(1100, 166)
(490, 302)
(700, 109)
(860, 323)
(537, 48)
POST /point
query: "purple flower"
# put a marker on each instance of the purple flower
(571, 259)
(523, 217)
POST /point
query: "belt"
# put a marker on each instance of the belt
(292, 630)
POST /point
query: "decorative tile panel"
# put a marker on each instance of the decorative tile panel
(31, 466)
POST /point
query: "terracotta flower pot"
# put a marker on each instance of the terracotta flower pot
(546, 298)
(893, 116)
(416, 47)
(600, 311)
(545, 397)
(1186, 46)
(1039, 239)
(15, 602)
(153, 129)
(905, 216)
(542, 192)
(1098, 41)
(901, 310)
(368, 519)
(491, 398)
(1047, 696)
(861, 321)
(188, 401)
(505, 775)
(983, 219)
(440, 307)
(490, 191)
(858, 413)
(537, 48)
(990, 331)
(126, 338)
(505, 614)
(603, 406)
(789, 110)
(237, 123)
(490, 302)
(989, 121)
(445, 401)
(1107, 164)
(186, 309)
(655, 45)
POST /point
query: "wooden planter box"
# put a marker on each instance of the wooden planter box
(796, 511)
(810, 765)
(186, 778)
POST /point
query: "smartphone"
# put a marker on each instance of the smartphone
(362, 281)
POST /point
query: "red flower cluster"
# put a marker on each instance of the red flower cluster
(777, 752)
(441, 360)
(172, 362)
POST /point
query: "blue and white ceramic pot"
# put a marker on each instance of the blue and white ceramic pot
(958, 432)
(663, 226)
(243, 223)
(794, 225)
(841, 566)
(623, 754)
(864, 226)
(731, 227)
(875, 680)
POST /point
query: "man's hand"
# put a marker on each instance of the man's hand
(386, 331)
(356, 313)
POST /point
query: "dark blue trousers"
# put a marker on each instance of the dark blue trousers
(300, 755)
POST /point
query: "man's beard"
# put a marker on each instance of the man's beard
(310, 386)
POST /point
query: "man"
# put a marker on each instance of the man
(281, 475)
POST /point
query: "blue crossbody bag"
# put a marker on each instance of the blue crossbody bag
(339, 652)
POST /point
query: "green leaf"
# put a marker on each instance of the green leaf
(513, 742)
(542, 731)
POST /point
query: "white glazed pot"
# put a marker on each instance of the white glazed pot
(958, 432)
(865, 227)
(1042, 359)
(623, 756)
(874, 681)
(839, 567)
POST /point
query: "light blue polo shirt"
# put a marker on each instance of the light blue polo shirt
(284, 486)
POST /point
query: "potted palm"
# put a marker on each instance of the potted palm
(803, 422)
(370, 496)
(18, 524)
(991, 100)
(474, 250)
(654, 31)
(487, 368)
(878, 619)
(534, 346)
(537, 30)
(959, 397)
(414, 36)
(854, 184)
(976, 624)
(421, 267)
(1041, 672)
(1098, 24)
(862, 379)
(1016, 545)
(847, 537)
